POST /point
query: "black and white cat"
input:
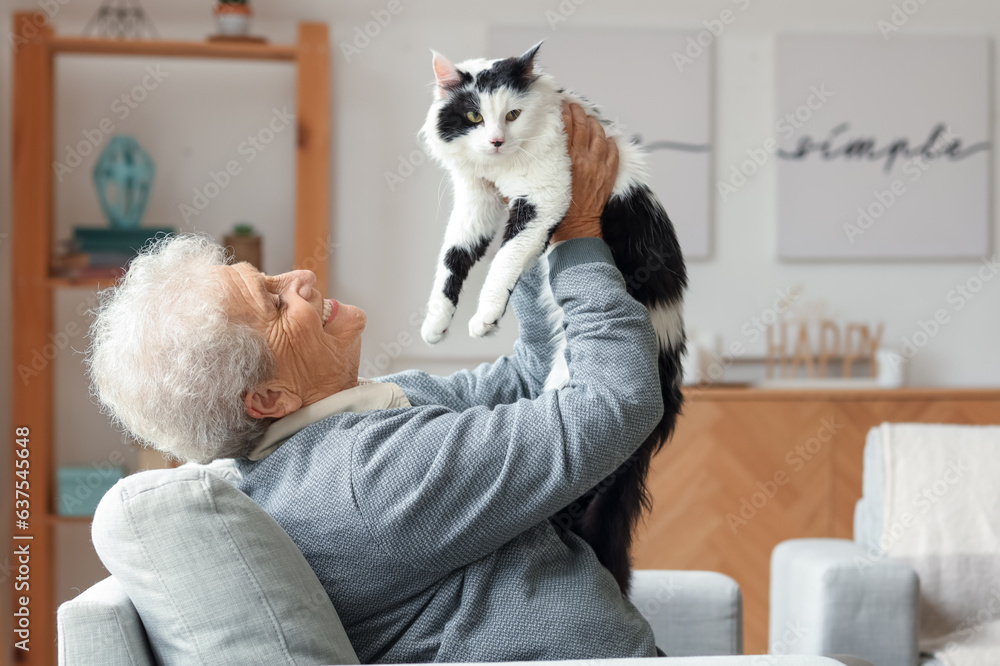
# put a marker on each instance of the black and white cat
(497, 126)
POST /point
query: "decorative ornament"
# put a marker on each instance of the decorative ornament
(121, 19)
(123, 177)
(232, 18)
(245, 244)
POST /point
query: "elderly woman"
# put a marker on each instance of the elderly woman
(421, 502)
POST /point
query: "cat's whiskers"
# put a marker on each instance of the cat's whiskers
(441, 188)
(527, 154)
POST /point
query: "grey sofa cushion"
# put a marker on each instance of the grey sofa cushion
(214, 578)
(692, 613)
(101, 626)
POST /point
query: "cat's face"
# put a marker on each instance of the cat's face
(485, 108)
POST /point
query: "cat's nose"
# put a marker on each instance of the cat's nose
(497, 143)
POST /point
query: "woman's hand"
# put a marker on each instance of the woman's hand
(594, 160)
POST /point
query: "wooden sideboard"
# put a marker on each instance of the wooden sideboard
(749, 468)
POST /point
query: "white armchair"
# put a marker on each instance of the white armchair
(862, 597)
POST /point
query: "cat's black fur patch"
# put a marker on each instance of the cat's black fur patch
(646, 251)
(522, 212)
(452, 121)
(459, 260)
(514, 73)
(645, 247)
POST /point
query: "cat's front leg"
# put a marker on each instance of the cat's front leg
(477, 213)
(529, 227)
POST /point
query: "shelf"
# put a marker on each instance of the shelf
(176, 49)
(82, 283)
(70, 520)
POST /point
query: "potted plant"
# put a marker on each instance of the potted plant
(246, 244)
(232, 18)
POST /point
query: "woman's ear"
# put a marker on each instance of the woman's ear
(271, 402)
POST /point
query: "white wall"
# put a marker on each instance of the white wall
(382, 99)
(387, 241)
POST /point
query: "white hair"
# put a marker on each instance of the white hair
(166, 362)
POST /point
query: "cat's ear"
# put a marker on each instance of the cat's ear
(527, 60)
(447, 74)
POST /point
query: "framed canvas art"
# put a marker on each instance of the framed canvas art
(886, 148)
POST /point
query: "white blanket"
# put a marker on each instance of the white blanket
(942, 517)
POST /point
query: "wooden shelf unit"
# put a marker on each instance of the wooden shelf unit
(81, 283)
(33, 285)
(174, 49)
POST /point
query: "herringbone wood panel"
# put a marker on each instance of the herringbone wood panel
(718, 504)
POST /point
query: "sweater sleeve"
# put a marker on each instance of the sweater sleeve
(440, 488)
(521, 374)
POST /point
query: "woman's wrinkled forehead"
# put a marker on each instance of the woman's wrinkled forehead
(244, 292)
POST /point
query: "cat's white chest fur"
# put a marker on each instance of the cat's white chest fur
(559, 372)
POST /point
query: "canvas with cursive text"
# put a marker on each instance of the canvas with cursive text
(885, 147)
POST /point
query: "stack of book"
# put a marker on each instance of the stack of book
(96, 252)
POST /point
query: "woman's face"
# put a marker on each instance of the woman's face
(316, 342)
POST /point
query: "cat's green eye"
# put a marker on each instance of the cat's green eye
(474, 117)
(512, 115)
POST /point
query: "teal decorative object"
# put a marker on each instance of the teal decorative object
(123, 177)
(81, 488)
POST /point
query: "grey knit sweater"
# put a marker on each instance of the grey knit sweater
(428, 525)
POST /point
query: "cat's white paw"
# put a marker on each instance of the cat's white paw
(486, 320)
(436, 323)
(479, 328)
(432, 334)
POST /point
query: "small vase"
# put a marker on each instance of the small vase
(246, 247)
(232, 20)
